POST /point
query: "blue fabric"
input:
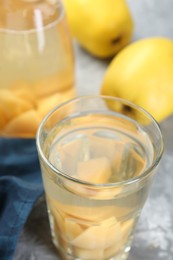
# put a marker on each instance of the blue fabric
(20, 187)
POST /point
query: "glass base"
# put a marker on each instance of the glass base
(68, 254)
(123, 256)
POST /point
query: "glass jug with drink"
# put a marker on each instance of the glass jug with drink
(37, 64)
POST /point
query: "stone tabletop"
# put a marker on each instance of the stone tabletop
(154, 234)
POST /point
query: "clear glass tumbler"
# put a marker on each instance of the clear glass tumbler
(98, 157)
(37, 64)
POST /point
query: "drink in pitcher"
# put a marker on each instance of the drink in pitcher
(38, 66)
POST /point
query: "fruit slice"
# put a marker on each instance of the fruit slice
(46, 104)
(126, 229)
(68, 227)
(83, 213)
(12, 105)
(96, 170)
(110, 252)
(99, 237)
(24, 125)
(25, 94)
(72, 229)
(58, 219)
(94, 254)
(3, 119)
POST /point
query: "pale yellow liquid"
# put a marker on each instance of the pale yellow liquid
(96, 222)
(37, 67)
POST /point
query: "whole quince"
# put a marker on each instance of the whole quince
(102, 27)
(143, 73)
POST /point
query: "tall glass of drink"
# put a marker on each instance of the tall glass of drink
(98, 157)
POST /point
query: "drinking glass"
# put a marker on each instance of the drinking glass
(37, 64)
(98, 157)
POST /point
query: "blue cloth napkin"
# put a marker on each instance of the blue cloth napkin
(20, 187)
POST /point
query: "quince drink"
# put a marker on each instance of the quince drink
(93, 217)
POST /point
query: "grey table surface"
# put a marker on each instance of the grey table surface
(153, 238)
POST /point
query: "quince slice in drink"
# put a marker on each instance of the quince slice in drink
(72, 229)
(24, 125)
(12, 105)
(3, 120)
(61, 243)
(67, 226)
(99, 236)
(93, 254)
(58, 219)
(25, 94)
(112, 251)
(22, 89)
(111, 148)
(95, 170)
(126, 229)
(46, 104)
(82, 213)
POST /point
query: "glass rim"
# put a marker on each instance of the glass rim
(136, 179)
(38, 29)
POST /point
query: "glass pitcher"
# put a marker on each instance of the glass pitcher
(36, 64)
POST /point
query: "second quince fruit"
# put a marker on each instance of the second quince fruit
(143, 73)
(101, 27)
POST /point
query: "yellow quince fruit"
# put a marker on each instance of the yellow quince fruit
(102, 27)
(143, 73)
